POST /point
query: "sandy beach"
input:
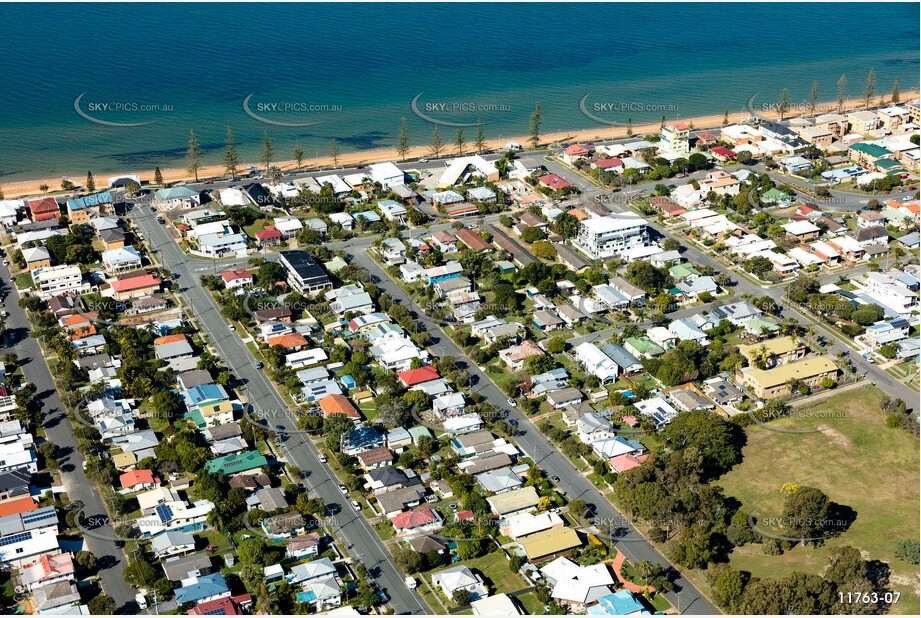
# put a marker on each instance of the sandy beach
(365, 157)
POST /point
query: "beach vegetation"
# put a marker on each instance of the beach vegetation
(298, 156)
(537, 117)
(231, 155)
(193, 155)
(436, 146)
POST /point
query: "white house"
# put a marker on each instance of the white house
(387, 174)
(596, 362)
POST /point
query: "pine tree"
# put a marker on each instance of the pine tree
(436, 145)
(537, 117)
(896, 87)
(813, 97)
(783, 103)
(90, 182)
(479, 141)
(726, 117)
(630, 127)
(1, 194)
(842, 92)
(231, 156)
(158, 176)
(334, 152)
(459, 140)
(403, 139)
(268, 151)
(298, 155)
(193, 155)
(869, 88)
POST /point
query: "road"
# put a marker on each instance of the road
(744, 286)
(545, 455)
(58, 430)
(351, 527)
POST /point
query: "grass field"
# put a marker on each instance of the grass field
(858, 462)
(499, 578)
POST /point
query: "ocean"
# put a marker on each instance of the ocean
(352, 71)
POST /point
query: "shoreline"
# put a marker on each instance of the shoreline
(31, 188)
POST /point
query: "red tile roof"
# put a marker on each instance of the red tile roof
(553, 181)
(722, 151)
(412, 377)
(576, 149)
(606, 163)
(338, 404)
(268, 232)
(169, 339)
(44, 208)
(375, 456)
(137, 477)
(218, 607)
(288, 340)
(412, 519)
(135, 283)
(17, 506)
(472, 239)
(237, 273)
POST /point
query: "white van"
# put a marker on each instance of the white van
(410, 582)
(141, 600)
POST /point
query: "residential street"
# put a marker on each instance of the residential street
(58, 429)
(349, 526)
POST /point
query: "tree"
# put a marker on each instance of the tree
(630, 126)
(717, 442)
(783, 103)
(334, 152)
(896, 90)
(231, 156)
(90, 182)
(86, 560)
(101, 605)
(869, 88)
(543, 249)
(298, 155)
(842, 92)
(556, 345)
(537, 117)
(268, 151)
(407, 560)
(461, 597)
(1, 193)
(729, 586)
(908, 550)
(436, 145)
(577, 508)
(726, 117)
(193, 155)
(252, 551)
(813, 97)
(459, 140)
(403, 139)
(805, 513)
(158, 176)
(533, 234)
(479, 140)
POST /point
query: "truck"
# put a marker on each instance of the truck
(141, 600)
(410, 582)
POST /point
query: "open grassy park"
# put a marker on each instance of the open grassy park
(858, 462)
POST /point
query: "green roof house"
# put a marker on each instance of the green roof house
(238, 462)
(643, 346)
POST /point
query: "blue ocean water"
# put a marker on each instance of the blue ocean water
(355, 68)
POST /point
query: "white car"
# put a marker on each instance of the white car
(232, 327)
(356, 505)
(344, 490)
(512, 402)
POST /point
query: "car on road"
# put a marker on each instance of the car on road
(322, 458)
(257, 364)
(555, 478)
(6, 262)
(209, 182)
(423, 160)
(153, 209)
(344, 490)
(513, 422)
(356, 505)
(280, 427)
(232, 327)
(512, 402)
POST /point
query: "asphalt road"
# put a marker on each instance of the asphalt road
(361, 541)
(59, 431)
(541, 450)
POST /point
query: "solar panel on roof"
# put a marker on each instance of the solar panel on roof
(15, 538)
(164, 512)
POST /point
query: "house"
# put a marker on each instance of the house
(596, 362)
(869, 218)
(172, 543)
(775, 382)
(620, 603)
(184, 567)
(574, 153)
(394, 502)
(54, 280)
(422, 519)
(459, 578)
(43, 209)
(49, 568)
(499, 481)
(36, 257)
(339, 404)
(392, 210)
(472, 239)
(553, 182)
(448, 405)
(886, 332)
(873, 235)
(112, 238)
(237, 278)
(315, 570)
(387, 174)
(622, 358)
(177, 197)
(463, 168)
(721, 183)
(269, 236)
(774, 352)
(444, 241)
(303, 547)
(515, 501)
(515, 356)
(250, 462)
(658, 409)
(550, 544)
(564, 397)
(375, 458)
(575, 585)
(609, 236)
(803, 231)
(303, 272)
(546, 321)
(283, 525)
(202, 589)
(135, 285)
(495, 605)
(137, 480)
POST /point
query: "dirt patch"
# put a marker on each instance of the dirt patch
(837, 437)
(909, 581)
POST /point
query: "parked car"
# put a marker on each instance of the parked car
(344, 490)
(356, 505)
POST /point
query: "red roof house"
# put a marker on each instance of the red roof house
(131, 286)
(552, 181)
(413, 377)
(338, 404)
(423, 516)
(236, 277)
(607, 164)
(269, 235)
(722, 153)
(135, 478)
(44, 209)
(289, 341)
(17, 506)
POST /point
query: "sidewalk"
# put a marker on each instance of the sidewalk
(616, 564)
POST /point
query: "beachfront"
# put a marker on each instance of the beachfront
(365, 157)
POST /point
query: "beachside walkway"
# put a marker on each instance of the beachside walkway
(617, 564)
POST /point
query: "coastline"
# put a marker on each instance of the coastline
(30, 188)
